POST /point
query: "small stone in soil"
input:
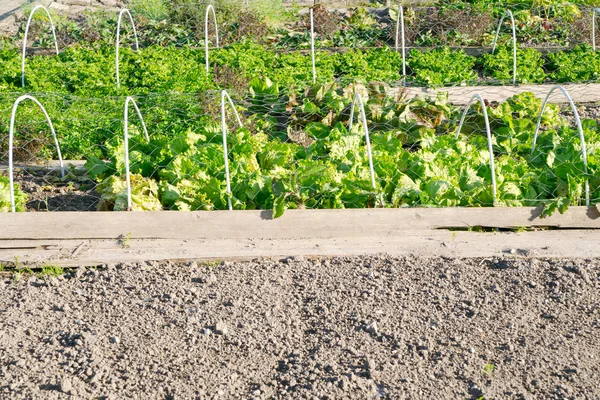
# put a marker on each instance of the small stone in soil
(372, 328)
(66, 385)
(221, 328)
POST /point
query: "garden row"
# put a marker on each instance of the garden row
(83, 71)
(298, 151)
(444, 23)
(86, 104)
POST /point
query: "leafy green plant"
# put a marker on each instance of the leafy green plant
(125, 240)
(297, 152)
(20, 197)
(500, 65)
(48, 270)
(113, 191)
(441, 66)
(488, 369)
(581, 64)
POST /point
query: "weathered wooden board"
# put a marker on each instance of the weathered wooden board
(294, 224)
(558, 243)
(49, 165)
(460, 95)
(472, 51)
(92, 238)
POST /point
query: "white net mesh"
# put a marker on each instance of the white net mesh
(293, 146)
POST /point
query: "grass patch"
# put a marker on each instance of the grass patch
(17, 271)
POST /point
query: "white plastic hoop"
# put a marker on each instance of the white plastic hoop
(514, 37)
(400, 28)
(594, 12)
(366, 132)
(209, 8)
(126, 142)
(11, 135)
(312, 46)
(225, 96)
(489, 136)
(38, 7)
(579, 128)
(137, 45)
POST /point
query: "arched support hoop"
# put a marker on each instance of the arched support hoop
(489, 137)
(137, 45)
(400, 29)
(226, 99)
(38, 7)
(126, 143)
(594, 12)
(208, 10)
(579, 128)
(11, 136)
(514, 40)
(312, 46)
(363, 117)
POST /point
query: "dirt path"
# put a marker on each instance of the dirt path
(364, 327)
(7, 7)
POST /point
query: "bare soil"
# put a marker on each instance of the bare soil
(360, 327)
(47, 191)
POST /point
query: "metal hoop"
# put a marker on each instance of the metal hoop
(514, 37)
(225, 96)
(38, 7)
(209, 8)
(489, 136)
(11, 135)
(126, 142)
(594, 12)
(579, 128)
(312, 46)
(137, 45)
(366, 132)
(400, 24)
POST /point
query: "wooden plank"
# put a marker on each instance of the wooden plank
(471, 51)
(460, 95)
(560, 243)
(294, 224)
(49, 165)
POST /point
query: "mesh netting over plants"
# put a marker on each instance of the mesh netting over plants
(257, 125)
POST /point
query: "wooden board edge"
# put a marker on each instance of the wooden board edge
(294, 223)
(460, 95)
(540, 244)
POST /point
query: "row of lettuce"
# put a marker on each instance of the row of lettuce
(295, 150)
(90, 72)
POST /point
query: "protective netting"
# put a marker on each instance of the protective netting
(297, 150)
(281, 136)
(447, 44)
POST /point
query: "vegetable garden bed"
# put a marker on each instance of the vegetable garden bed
(286, 143)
